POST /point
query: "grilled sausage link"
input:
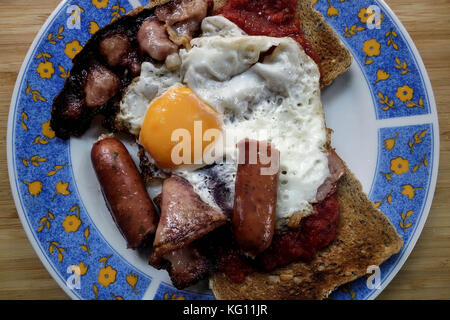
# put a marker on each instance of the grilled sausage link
(101, 85)
(255, 200)
(124, 191)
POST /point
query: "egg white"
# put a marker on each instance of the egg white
(152, 83)
(266, 89)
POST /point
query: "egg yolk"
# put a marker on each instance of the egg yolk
(178, 108)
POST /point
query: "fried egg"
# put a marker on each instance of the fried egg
(255, 87)
(178, 108)
(152, 83)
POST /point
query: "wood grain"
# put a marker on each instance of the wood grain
(425, 275)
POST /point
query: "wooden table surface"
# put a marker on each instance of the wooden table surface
(425, 275)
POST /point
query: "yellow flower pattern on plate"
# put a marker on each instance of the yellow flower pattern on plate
(51, 38)
(72, 48)
(402, 66)
(132, 280)
(100, 4)
(34, 188)
(389, 144)
(45, 68)
(382, 75)
(62, 189)
(367, 15)
(404, 93)
(46, 221)
(399, 165)
(174, 296)
(371, 48)
(387, 198)
(71, 223)
(107, 274)
(391, 35)
(410, 191)
(54, 246)
(332, 11)
(404, 224)
(93, 27)
(35, 94)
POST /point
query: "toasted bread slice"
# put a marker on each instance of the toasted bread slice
(335, 58)
(365, 237)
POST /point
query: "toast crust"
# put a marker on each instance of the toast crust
(334, 57)
(365, 237)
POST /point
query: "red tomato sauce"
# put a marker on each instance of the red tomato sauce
(273, 18)
(315, 232)
(235, 266)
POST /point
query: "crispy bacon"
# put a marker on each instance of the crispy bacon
(117, 50)
(111, 59)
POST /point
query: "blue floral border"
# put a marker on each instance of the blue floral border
(384, 55)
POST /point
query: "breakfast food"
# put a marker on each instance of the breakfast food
(255, 200)
(116, 52)
(364, 237)
(124, 191)
(184, 219)
(223, 100)
(112, 58)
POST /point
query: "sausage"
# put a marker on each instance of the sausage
(117, 50)
(101, 85)
(255, 199)
(73, 109)
(114, 48)
(154, 41)
(124, 191)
